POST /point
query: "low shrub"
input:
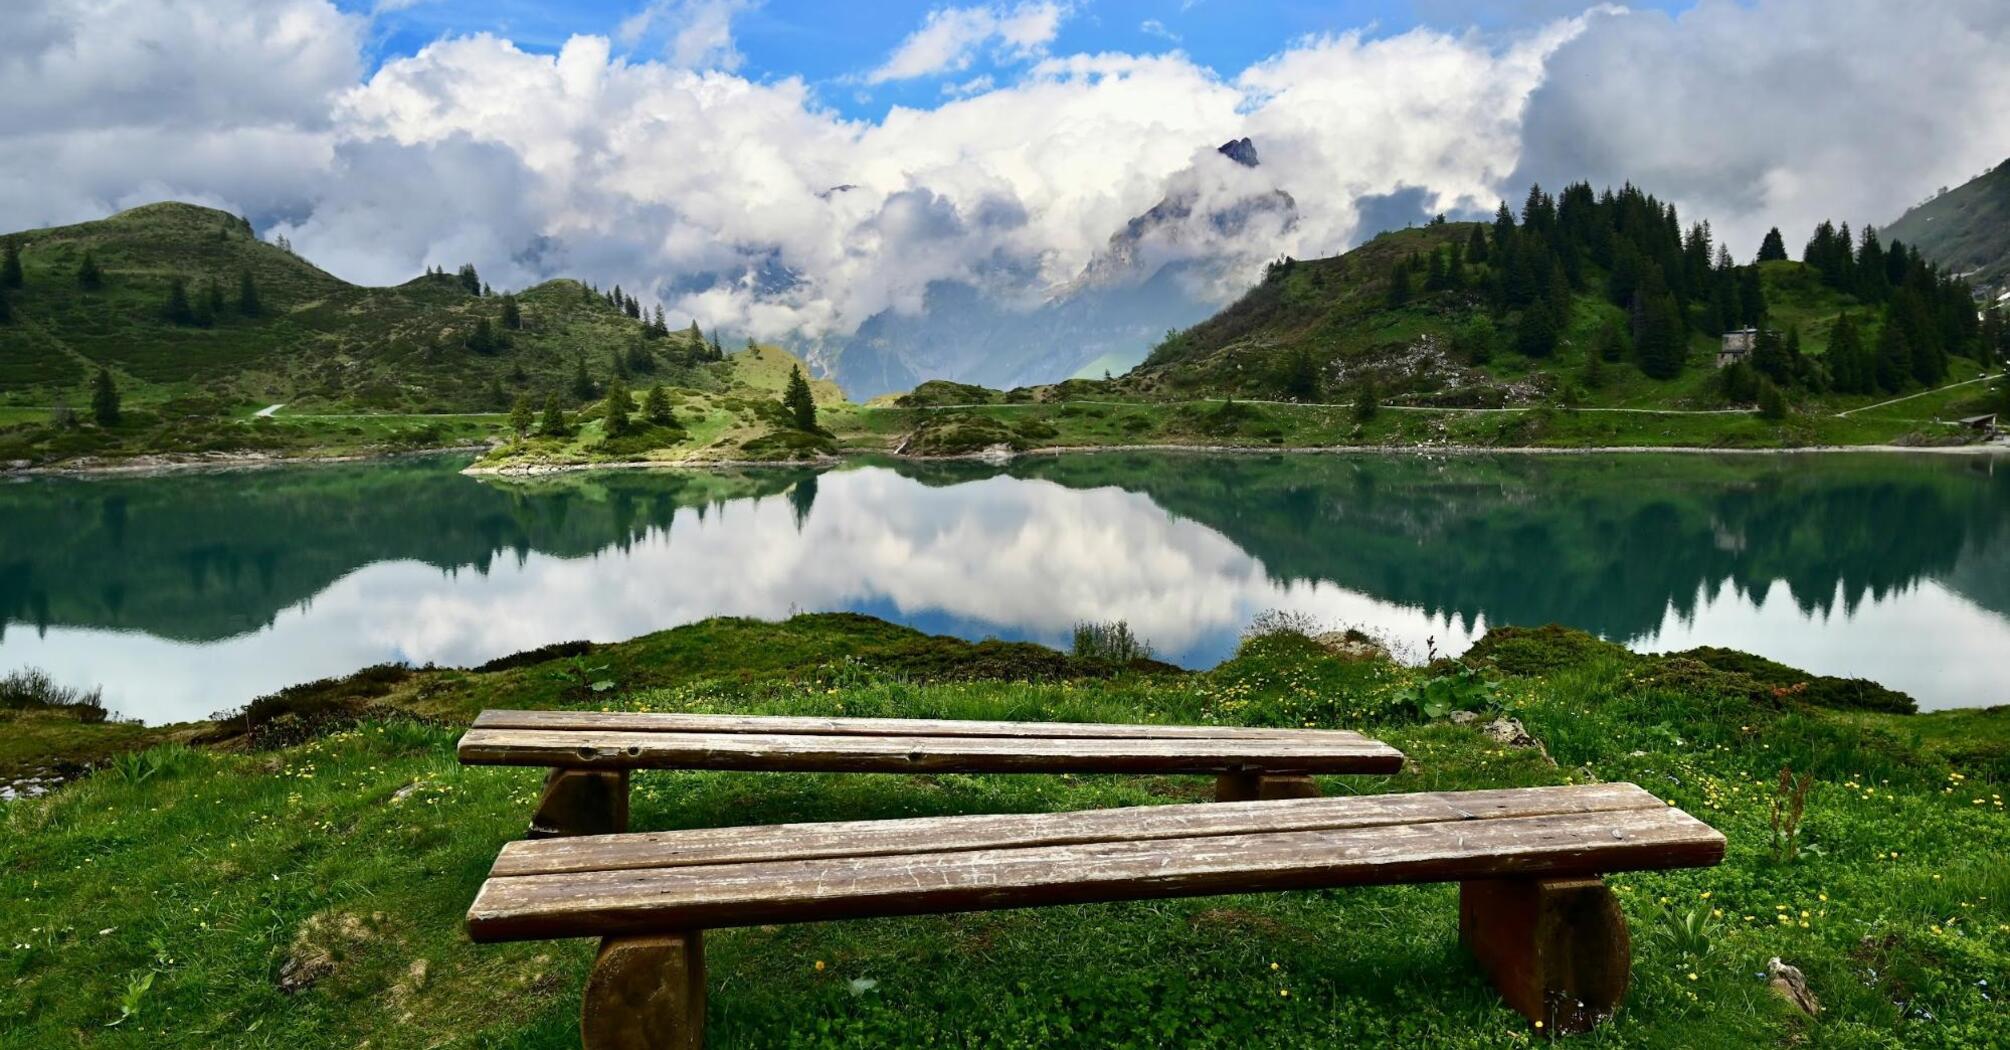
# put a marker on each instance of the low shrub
(33, 688)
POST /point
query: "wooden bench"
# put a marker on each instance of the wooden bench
(1532, 907)
(591, 754)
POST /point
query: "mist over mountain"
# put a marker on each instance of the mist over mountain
(1169, 267)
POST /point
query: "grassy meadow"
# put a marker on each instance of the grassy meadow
(296, 876)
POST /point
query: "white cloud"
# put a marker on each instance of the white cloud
(699, 33)
(948, 41)
(1780, 112)
(1154, 27)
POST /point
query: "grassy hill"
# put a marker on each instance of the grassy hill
(1966, 229)
(434, 362)
(316, 343)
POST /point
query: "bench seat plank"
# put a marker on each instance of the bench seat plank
(626, 901)
(675, 722)
(916, 754)
(866, 838)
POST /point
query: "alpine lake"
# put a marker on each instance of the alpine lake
(187, 594)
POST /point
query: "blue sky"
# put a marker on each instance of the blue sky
(833, 45)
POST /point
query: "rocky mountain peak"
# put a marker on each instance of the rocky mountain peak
(1242, 151)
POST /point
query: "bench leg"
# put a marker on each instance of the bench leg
(581, 802)
(1250, 787)
(646, 993)
(1556, 948)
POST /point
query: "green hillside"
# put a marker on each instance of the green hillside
(1966, 229)
(313, 341)
(1585, 301)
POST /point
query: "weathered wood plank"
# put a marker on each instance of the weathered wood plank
(709, 896)
(916, 754)
(915, 835)
(675, 722)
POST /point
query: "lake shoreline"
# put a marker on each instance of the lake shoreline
(1000, 456)
(226, 462)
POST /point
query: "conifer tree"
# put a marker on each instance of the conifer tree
(247, 293)
(512, 315)
(696, 338)
(177, 309)
(554, 424)
(1535, 336)
(104, 398)
(89, 277)
(1848, 349)
(1476, 245)
(797, 400)
(212, 301)
(614, 420)
(483, 339)
(1612, 342)
(1893, 362)
(656, 407)
(497, 399)
(1772, 402)
(1774, 247)
(10, 268)
(1399, 283)
(6, 308)
(1769, 357)
(583, 387)
(521, 418)
(1367, 402)
(471, 282)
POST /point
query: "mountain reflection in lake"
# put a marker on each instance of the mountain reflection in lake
(188, 594)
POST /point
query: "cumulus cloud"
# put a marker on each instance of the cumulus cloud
(117, 102)
(951, 37)
(1782, 112)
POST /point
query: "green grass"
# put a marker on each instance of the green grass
(181, 883)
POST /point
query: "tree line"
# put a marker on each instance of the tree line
(1630, 249)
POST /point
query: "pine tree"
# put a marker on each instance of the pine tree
(497, 399)
(1769, 357)
(89, 277)
(521, 418)
(212, 301)
(1772, 402)
(483, 339)
(614, 420)
(6, 309)
(799, 402)
(1535, 336)
(554, 424)
(656, 407)
(1367, 402)
(10, 268)
(1774, 247)
(471, 282)
(1849, 372)
(1894, 357)
(512, 315)
(1300, 377)
(1476, 245)
(583, 387)
(247, 294)
(1612, 342)
(177, 309)
(695, 337)
(1399, 283)
(104, 398)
